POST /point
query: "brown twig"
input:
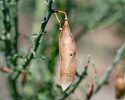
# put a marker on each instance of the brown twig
(66, 18)
(58, 21)
(5, 69)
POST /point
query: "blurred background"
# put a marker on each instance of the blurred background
(98, 27)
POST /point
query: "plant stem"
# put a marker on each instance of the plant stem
(39, 35)
(16, 27)
(110, 68)
(6, 28)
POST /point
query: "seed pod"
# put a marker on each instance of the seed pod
(119, 86)
(90, 90)
(119, 82)
(67, 49)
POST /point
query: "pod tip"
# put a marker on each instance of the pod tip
(65, 86)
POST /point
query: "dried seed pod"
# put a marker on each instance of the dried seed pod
(67, 50)
(119, 82)
(119, 87)
(90, 90)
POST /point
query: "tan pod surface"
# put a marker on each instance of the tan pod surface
(67, 49)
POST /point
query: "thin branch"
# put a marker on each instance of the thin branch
(5, 69)
(16, 27)
(7, 26)
(110, 68)
(66, 19)
(39, 35)
(81, 77)
(63, 13)
(95, 76)
(58, 21)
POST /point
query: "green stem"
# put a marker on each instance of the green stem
(110, 68)
(39, 35)
(16, 27)
(12, 87)
(6, 28)
(13, 81)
